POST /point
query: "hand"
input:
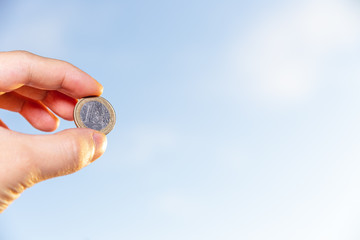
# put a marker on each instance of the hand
(31, 85)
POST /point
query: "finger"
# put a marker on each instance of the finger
(34, 112)
(33, 158)
(2, 124)
(22, 68)
(59, 103)
(65, 152)
(33, 93)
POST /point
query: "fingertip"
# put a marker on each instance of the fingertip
(78, 84)
(101, 89)
(96, 90)
(47, 125)
(51, 123)
(55, 125)
(100, 143)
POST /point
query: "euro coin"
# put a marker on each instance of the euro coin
(95, 113)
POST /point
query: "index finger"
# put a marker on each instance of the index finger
(19, 68)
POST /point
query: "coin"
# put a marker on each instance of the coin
(95, 113)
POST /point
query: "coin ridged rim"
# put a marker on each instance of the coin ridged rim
(77, 118)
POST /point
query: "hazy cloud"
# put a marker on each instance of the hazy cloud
(284, 54)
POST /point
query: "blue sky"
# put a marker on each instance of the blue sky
(236, 119)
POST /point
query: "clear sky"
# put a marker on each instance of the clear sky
(236, 119)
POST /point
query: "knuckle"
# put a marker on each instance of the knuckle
(22, 54)
(16, 69)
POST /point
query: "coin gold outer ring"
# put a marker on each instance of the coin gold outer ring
(79, 123)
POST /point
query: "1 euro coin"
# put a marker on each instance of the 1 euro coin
(95, 113)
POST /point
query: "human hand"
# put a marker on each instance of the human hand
(31, 85)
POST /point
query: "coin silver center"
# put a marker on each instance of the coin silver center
(95, 115)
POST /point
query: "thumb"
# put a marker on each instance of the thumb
(65, 152)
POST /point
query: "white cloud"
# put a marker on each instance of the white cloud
(284, 55)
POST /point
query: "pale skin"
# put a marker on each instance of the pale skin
(40, 89)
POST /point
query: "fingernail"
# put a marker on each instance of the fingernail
(100, 143)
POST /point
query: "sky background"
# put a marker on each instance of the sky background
(235, 119)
